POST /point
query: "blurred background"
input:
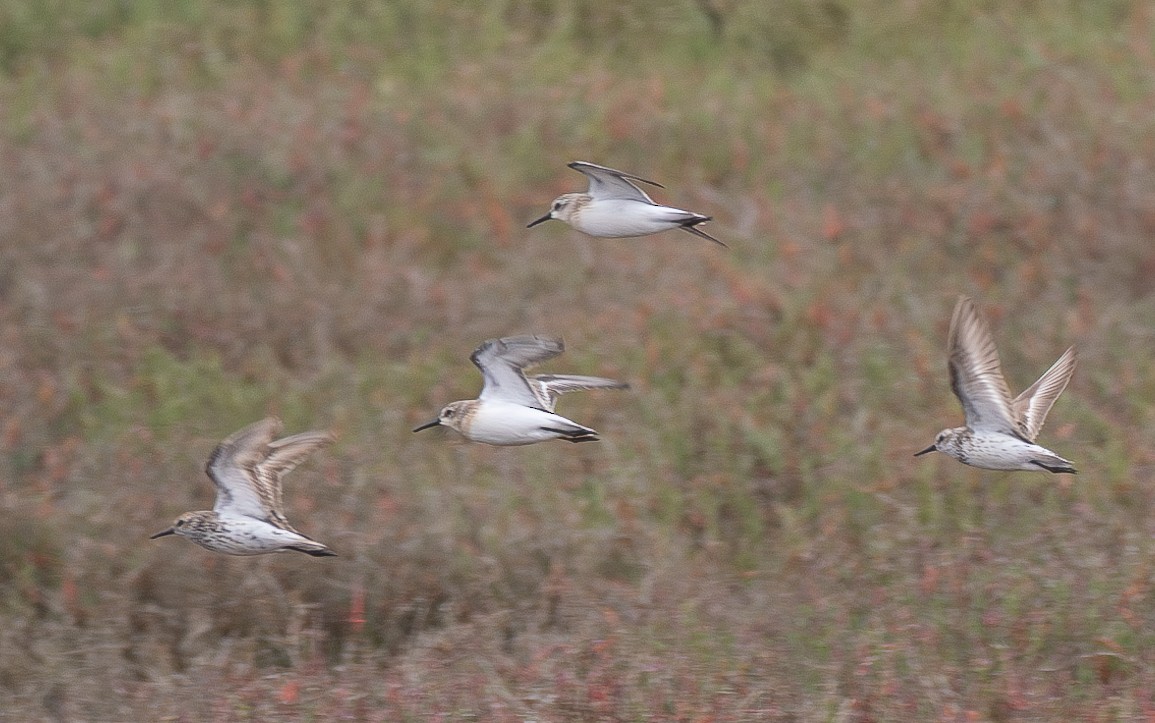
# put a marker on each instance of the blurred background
(213, 211)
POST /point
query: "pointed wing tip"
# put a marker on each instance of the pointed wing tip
(315, 438)
(324, 436)
(268, 427)
(545, 339)
(703, 234)
(553, 344)
(962, 306)
(519, 339)
(1069, 360)
(243, 443)
(593, 168)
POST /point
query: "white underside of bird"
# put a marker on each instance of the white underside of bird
(999, 451)
(614, 206)
(507, 424)
(616, 218)
(250, 536)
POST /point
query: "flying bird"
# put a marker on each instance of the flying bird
(514, 409)
(615, 207)
(1000, 432)
(248, 517)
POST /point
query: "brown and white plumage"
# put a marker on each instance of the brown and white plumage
(614, 206)
(513, 409)
(248, 465)
(1000, 431)
(248, 517)
(1030, 409)
(977, 379)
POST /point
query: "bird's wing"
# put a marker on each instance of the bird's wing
(606, 183)
(975, 375)
(1031, 407)
(502, 363)
(283, 456)
(232, 466)
(549, 387)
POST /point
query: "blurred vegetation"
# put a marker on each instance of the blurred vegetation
(214, 211)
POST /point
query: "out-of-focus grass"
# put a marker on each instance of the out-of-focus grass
(210, 212)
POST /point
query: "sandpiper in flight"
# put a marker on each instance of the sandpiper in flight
(1000, 432)
(513, 409)
(247, 518)
(615, 207)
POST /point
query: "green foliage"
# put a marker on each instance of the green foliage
(31, 562)
(167, 392)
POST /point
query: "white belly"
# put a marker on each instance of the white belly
(507, 424)
(242, 535)
(617, 218)
(1003, 452)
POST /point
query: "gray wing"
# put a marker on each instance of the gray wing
(548, 387)
(283, 457)
(502, 362)
(975, 374)
(606, 183)
(1032, 406)
(232, 466)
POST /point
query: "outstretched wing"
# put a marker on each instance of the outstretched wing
(283, 456)
(232, 466)
(548, 387)
(975, 374)
(606, 183)
(502, 362)
(1032, 406)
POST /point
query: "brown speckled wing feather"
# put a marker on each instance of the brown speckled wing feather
(975, 373)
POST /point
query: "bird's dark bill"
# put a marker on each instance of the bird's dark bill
(162, 533)
(931, 448)
(427, 425)
(540, 220)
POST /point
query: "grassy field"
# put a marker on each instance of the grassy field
(214, 211)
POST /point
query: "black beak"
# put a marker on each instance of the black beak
(544, 218)
(931, 448)
(162, 533)
(427, 425)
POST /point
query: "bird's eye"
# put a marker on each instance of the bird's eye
(557, 205)
(939, 439)
(180, 523)
(448, 413)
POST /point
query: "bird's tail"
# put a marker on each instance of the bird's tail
(310, 547)
(692, 223)
(574, 432)
(1055, 464)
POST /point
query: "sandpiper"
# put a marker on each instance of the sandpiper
(247, 518)
(513, 409)
(615, 207)
(999, 432)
